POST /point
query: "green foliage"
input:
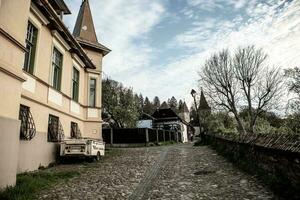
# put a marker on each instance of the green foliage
(173, 103)
(148, 106)
(293, 122)
(272, 118)
(119, 104)
(156, 102)
(221, 122)
(284, 130)
(264, 127)
(28, 184)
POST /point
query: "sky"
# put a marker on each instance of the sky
(159, 46)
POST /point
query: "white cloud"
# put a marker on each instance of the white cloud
(274, 27)
(119, 25)
(276, 31)
(122, 25)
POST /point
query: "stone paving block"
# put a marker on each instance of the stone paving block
(167, 172)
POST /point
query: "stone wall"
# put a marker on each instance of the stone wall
(278, 168)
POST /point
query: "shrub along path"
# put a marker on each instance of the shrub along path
(167, 172)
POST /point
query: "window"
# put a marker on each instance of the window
(75, 84)
(55, 129)
(75, 131)
(31, 40)
(57, 60)
(27, 129)
(92, 93)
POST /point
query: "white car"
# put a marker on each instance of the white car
(90, 148)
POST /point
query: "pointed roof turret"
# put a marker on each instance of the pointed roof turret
(84, 30)
(203, 103)
(84, 27)
(185, 108)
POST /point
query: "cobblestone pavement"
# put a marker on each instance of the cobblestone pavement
(167, 172)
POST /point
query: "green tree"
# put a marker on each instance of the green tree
(148, 106)
(173, 103)
(119, 105)
(156, 102)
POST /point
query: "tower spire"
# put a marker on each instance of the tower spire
(84, 28)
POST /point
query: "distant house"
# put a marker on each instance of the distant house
(167, 119)
(145, 121)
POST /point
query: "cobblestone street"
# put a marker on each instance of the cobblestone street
(167, 172)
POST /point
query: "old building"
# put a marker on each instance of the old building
(50, 82)
(167, 119)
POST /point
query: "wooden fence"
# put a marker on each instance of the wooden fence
(138, 136)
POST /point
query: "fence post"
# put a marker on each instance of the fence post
(147, 136)
(164, 135)
(111, 136)
(176, 136)
(157, 140)
(170, 136)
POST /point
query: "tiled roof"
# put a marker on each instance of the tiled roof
(203, 103)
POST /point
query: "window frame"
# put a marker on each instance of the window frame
(57, 68)
(58, 131)
(27, 126)
(93, 104)
(75, 82)
(31, 46)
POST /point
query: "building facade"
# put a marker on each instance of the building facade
(167, 119)
(50, 82)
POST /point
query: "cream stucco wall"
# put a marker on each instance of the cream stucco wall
(37, 93)
(15, 24)
(36, 152)
(43, 75)
(10, 96)
(12, 39)
(9, 148)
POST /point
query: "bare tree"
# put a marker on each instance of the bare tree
(293, 83)
(259, 84)
(218, 78)
(242, 79)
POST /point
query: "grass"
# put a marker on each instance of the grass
(28, 184)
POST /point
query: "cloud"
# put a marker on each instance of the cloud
(119, 25)
(125, 27)
(274, 27)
